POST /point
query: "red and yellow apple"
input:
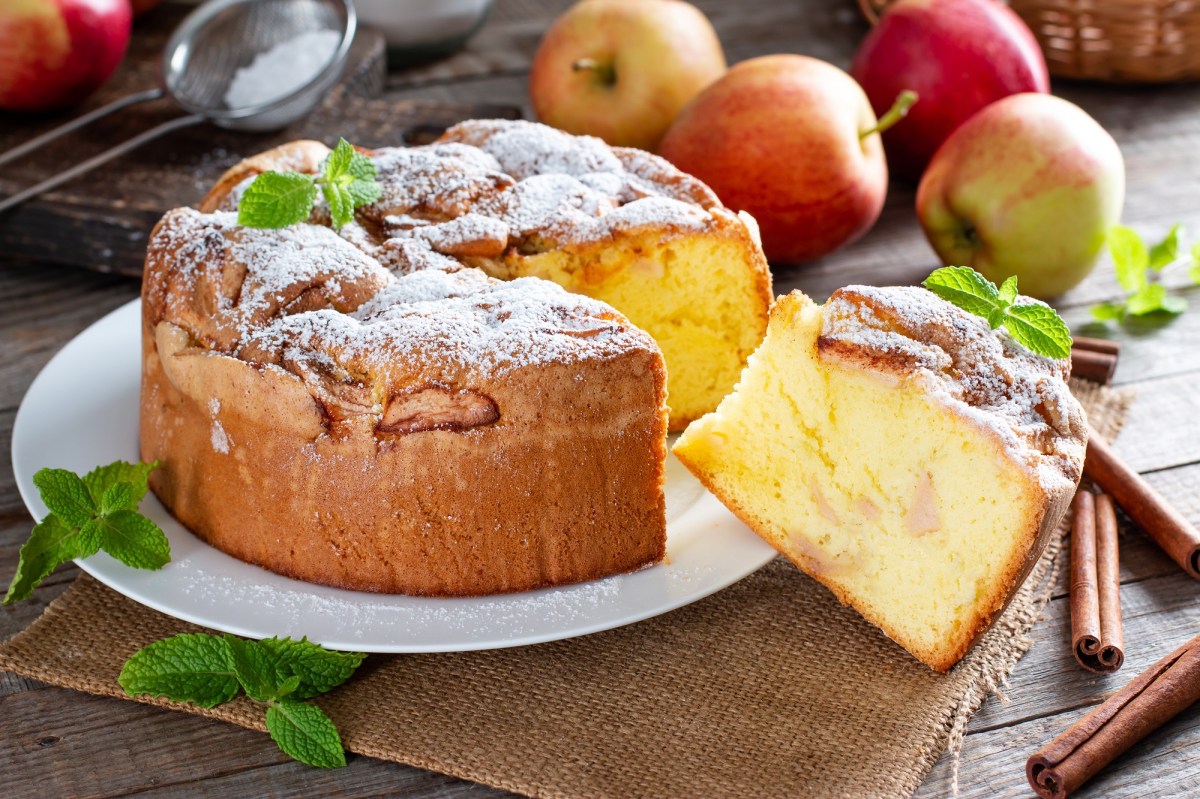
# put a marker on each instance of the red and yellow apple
(1029, 187)
(622, 69)
(54, 53)
(792, 141)
(958, 55)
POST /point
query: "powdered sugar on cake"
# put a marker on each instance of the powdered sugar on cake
(305, 299)
(1021, 397)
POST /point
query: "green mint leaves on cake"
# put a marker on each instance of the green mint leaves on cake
(279, 199)
(1036, 327)
(1139, 270)
(209, 670)
(98, 511)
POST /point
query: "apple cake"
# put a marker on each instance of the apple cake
(520, 199)
(902, 453)
(431, 431)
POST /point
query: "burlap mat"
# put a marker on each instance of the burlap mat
(769, 688)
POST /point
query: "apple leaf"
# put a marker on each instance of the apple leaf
(1167, 250)
(1129, 256)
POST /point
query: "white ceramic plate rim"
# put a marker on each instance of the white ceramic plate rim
(81, 411)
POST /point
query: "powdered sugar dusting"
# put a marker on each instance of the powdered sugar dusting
(1021, 397)
(217, 435)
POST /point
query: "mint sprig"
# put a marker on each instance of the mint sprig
(278, 199)
(1034, 325)
(208, 670)
(87, 514)
(1139, 269)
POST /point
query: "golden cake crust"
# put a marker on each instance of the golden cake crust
(438, 433)
(501, 195)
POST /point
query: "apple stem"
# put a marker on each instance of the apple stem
(897, 112)
(604, 73)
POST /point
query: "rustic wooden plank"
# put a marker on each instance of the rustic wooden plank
(1164, 766)
(1159, 614)
(1160, 432)
(362, 777)
(71, 746)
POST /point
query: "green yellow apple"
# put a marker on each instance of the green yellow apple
(1029, 187)
(622, 69)
(793, 141)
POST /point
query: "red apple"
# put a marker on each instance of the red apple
(54, 53)
(789, 139)
(622, 69)
(958, 55)
(1029, 186)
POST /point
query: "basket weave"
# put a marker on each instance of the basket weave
(1123, 41)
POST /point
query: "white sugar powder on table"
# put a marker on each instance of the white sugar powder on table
(283, 69)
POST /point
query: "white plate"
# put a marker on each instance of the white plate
(82, 410)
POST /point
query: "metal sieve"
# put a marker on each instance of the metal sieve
(199, 64)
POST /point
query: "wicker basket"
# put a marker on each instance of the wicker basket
(1123, 41)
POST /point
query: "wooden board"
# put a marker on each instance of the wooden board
(101, 220)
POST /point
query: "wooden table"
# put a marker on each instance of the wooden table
(56, 743)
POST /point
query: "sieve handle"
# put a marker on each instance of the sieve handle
(79, 122)
(97, 160)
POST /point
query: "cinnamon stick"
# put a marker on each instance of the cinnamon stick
(1152, 699)
(1096, 634)
(1099, 367)
(1103, 345)
(1169, 529)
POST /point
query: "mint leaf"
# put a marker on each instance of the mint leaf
(1129, 256)
(339, 162)
(1166, 251)
(89, 513)
(102, 478)
(257, 668)
(117, 496)
(1194, 269)
(190, 667)
(1035, 326)
(208, 670)
(1108, 311)
(319, 669)
(1174, 305)
(304, 732)
(52, 543)
(1148, 299)
(65, 495)
(1039, 329)
(1008, 290)
(341, 204)
(277, 199)
(966, 288)
(347, 181)
(134, 540)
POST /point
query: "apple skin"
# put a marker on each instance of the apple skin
(778, 137)
(54, 53)
(1029, 187)
(958, 56)
(661, 54)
